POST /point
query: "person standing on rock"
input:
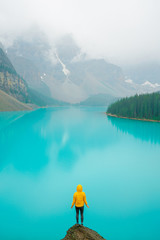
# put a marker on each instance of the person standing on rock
(79, 198)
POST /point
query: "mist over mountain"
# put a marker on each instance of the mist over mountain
(144, 72)
(143, 78)
(98, 100)
(68, 50)
(15, 90)
(27, 57)
(61, 70)
(122, 32)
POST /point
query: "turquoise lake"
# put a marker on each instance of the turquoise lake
(46, 153)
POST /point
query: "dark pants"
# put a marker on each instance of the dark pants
(81, 209)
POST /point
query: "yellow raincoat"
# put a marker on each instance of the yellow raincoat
(79, 197)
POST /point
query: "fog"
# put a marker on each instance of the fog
(121, 31)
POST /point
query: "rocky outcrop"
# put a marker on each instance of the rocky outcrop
(79, 232)
(10, 81)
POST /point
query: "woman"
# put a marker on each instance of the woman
(79, 198)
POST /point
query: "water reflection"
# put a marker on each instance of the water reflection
(61, 134)
(6, 118)
(146, 131)
(20, 144)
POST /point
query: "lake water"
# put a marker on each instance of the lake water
(46, 153)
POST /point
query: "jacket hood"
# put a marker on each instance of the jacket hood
(79, 188)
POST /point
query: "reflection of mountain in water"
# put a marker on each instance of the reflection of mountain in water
(60, 135)
(19, 146)
(146, 131)
(6, 118)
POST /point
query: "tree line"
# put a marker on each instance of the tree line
(144, 106)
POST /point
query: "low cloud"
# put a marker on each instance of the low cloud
(121, 31)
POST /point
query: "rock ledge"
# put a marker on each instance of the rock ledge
(78, 232)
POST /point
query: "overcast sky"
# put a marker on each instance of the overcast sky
(122, 31)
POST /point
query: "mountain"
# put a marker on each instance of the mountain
(31, 61)
(98, 100)
(42, 100)
(67, 49)
(9, 103)
(63, 72)
(149, 72)
(10, 81)
(60, 70)
(143, 78)
(14, 85)
(78, 232)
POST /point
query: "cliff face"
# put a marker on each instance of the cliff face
(10, 81)
(78, 232)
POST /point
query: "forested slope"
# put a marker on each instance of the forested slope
(145, 106)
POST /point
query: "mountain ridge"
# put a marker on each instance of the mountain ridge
(60, 70)
(98, 100)
(66, 79)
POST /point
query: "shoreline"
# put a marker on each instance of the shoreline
(29, 109)
(52, 106)
(22, 110)
(138, 119)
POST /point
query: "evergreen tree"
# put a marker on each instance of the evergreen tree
(144, 106)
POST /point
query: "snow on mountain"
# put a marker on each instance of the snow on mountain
(146, 87)
(144, 72)
(64, 69)
(147, 83)
(43, 77)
